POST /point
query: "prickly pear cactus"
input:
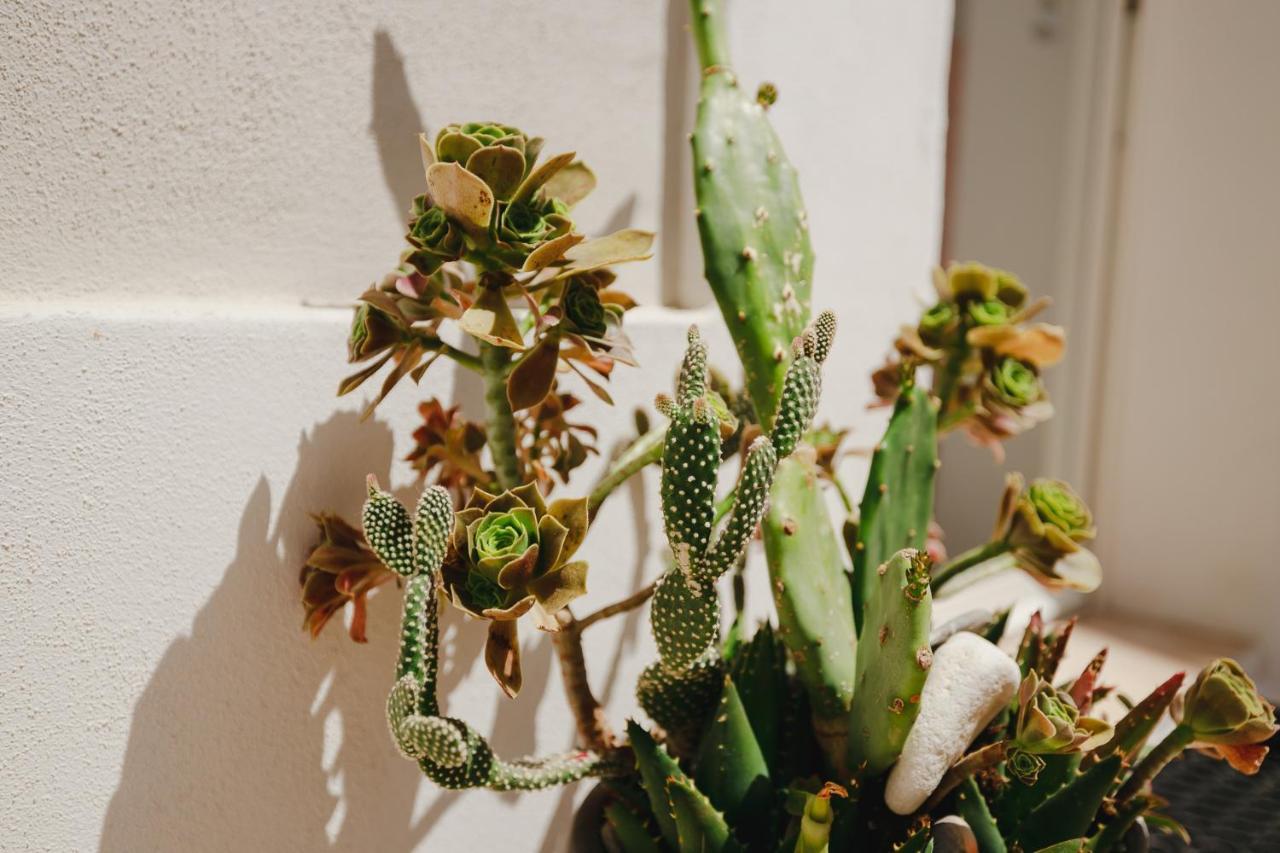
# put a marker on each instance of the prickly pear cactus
(898, 502)
(449, 752)
(751, 217)
(811, 593)
(893, 661)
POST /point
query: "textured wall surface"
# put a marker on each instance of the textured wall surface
(180, 178)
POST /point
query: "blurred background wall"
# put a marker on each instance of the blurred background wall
(193, 194)
(1122, 157)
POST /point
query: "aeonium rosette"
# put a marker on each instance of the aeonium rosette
(1043, 528)
(1226, 715)
(1049, 723)
(987, 359)
(509, 555)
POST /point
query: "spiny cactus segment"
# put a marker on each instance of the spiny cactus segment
(686, 610)
(450, 752)
(894, 658)
(898, 502)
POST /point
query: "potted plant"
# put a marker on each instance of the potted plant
(853, 723)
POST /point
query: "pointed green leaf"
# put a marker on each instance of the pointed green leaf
(699, 827)
(731, 769)
(655, 767)
(1069, 813)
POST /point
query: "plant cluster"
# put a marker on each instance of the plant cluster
(853, 723)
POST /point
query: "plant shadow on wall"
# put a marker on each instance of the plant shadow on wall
(249, 737)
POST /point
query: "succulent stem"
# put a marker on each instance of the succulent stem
(466, 359)
(1155, 760)
(501, 426)
(631, 602)
(968, 559)
(644, 451)
(593, 727)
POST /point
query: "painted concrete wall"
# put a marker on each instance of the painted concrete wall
(180, 179)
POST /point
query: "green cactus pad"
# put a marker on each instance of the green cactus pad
(810, 588)
(898, 502)
(893, 661)
(681, 701)
(685, 617)
(748, 507)
(751, 218)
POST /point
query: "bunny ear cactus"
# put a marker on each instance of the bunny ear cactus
(686, 613)
(450, 752)
(751, 218)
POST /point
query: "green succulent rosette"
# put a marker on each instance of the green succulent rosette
(373, 331)
(434, 239)
(459, 143)
(1049, 723)
(1223, 707)
(508, 555)
(584, 313)
(1023, 766)
(989, 312)
(1014, 383)
(937, 324)
(1043, 529)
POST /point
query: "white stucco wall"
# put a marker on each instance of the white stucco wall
(180, 179)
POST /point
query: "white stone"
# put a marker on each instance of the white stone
(969, 682)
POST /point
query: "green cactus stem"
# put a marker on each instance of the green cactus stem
(751, 217)
(1154, 761)
(898, 502)
(644, 451)
(892, 663)
(449, 752)
(984, 553)
(813, 600)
